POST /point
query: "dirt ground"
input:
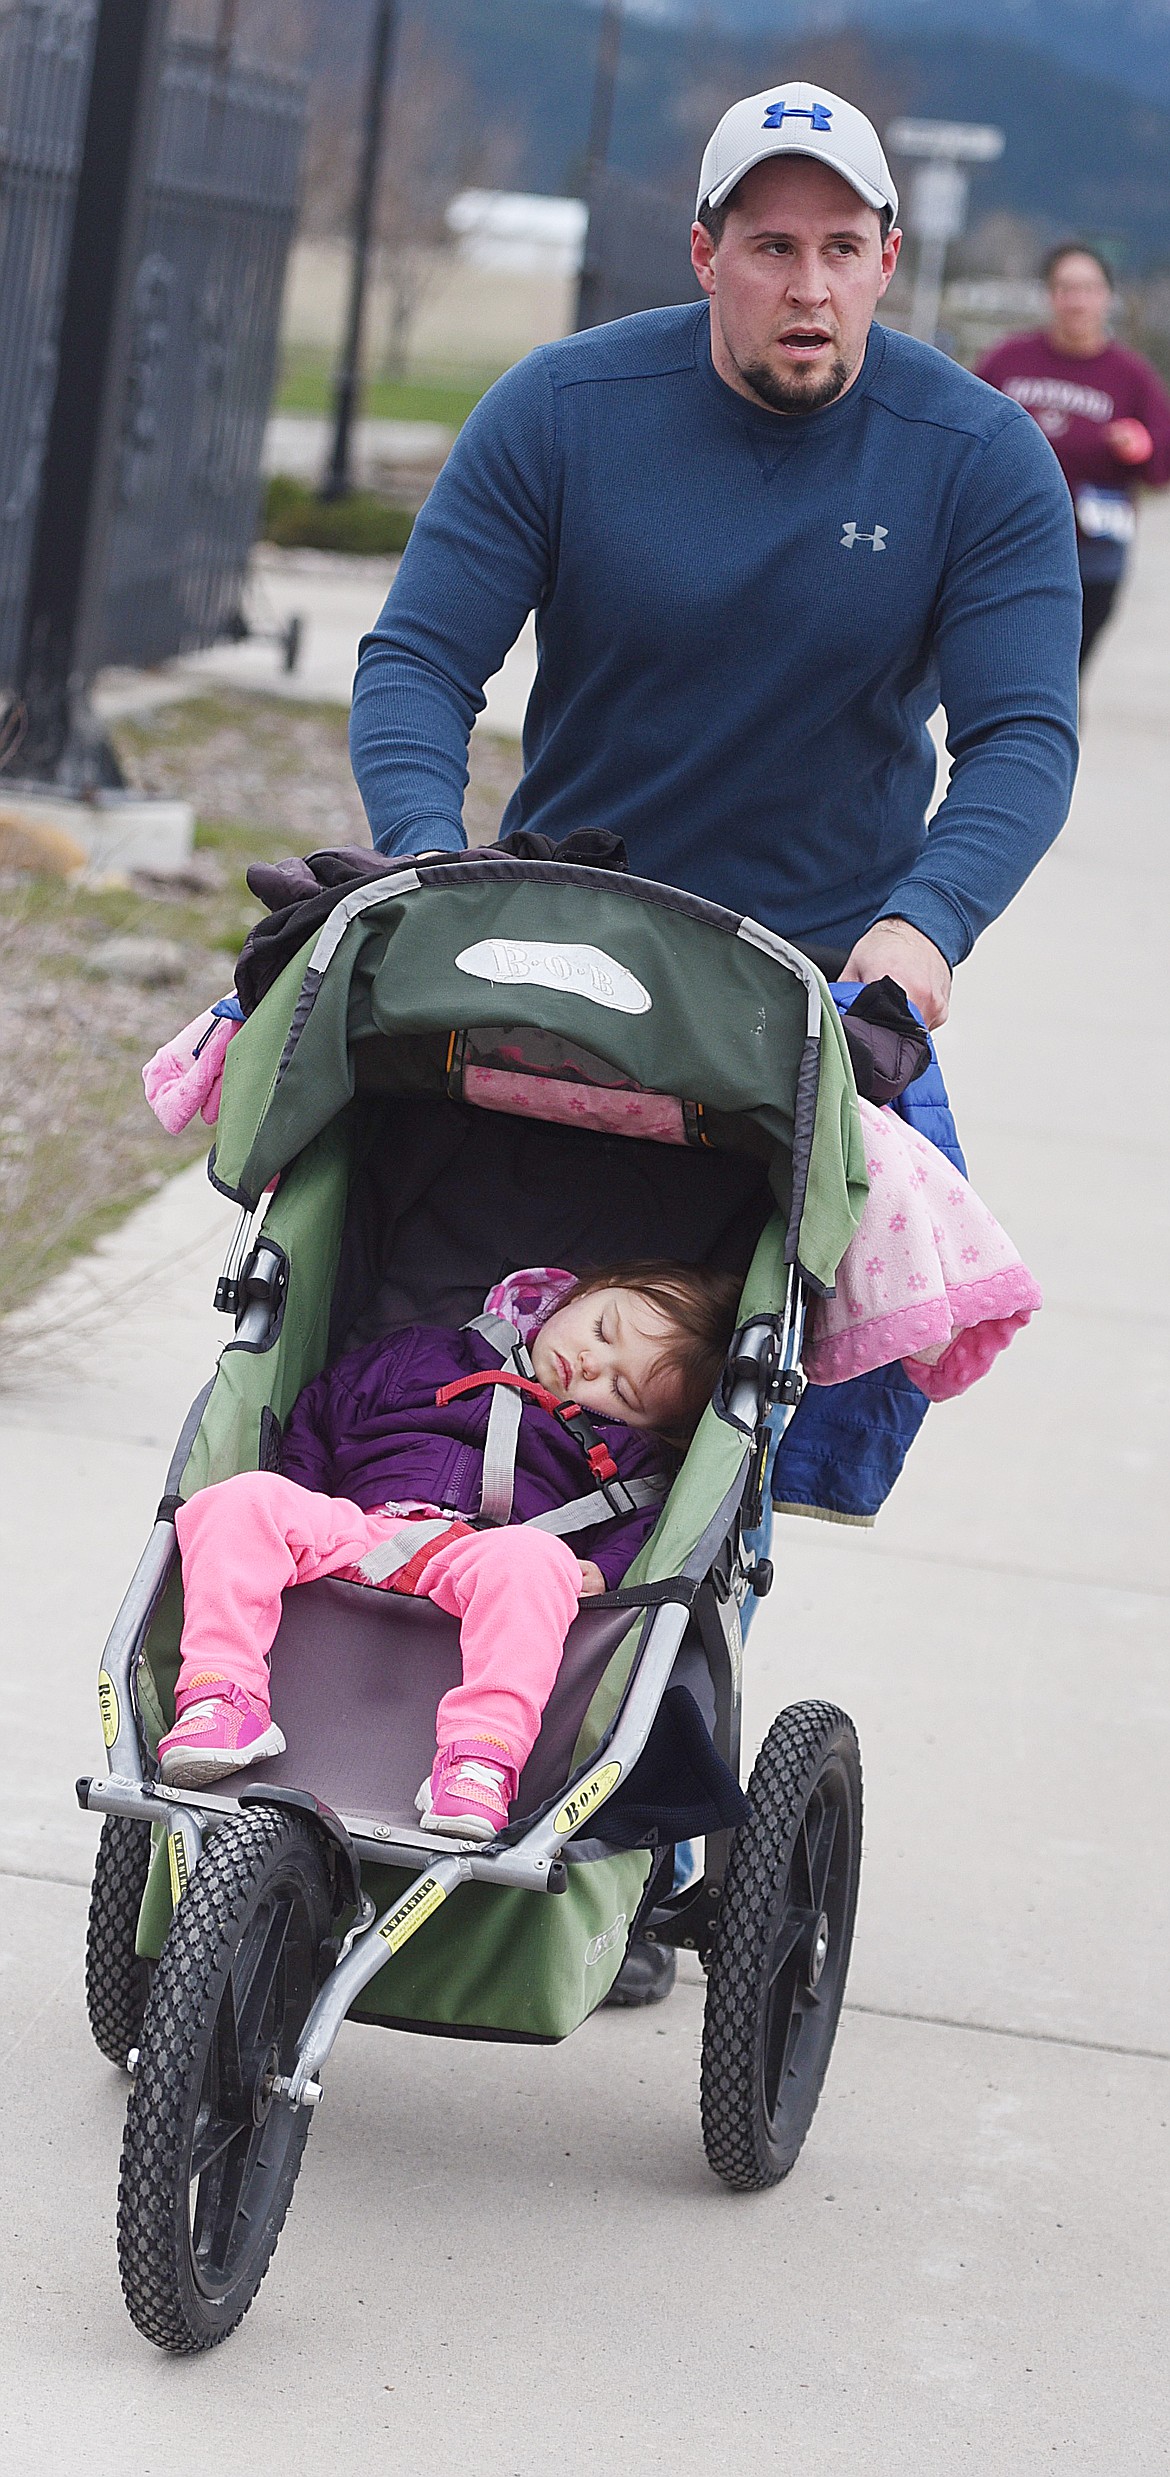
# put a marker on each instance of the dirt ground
(78, 1145)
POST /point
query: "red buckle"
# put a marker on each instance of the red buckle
(601, 1462)
(497, 1376)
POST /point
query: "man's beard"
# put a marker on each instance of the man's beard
(796, 394)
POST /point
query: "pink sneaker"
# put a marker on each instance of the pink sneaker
(469, 1791)
(222, 1731)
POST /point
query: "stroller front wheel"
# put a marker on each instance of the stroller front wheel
(117, 1983)
(209, 2160)
(782, 1945)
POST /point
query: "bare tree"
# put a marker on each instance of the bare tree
(715, 72)
(436, 145)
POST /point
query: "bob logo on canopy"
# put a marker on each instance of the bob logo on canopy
(581, 971)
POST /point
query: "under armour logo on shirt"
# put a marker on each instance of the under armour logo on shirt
(851, 535)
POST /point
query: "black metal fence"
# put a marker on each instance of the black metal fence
(221, 210)
(638, 249)
(45, 53)
(222, 204)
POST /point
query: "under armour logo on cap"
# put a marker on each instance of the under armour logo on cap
(818, 115)
(794, 120)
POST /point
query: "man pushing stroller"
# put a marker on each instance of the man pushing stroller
(765, 537)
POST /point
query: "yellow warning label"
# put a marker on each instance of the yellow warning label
(177, 1861)
(589, 1795)
(412, 1913)
(108, 1706)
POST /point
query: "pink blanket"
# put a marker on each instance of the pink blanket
(929, 1277)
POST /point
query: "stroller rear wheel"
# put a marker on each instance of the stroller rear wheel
(209, 2159)
(781, 1948)
(117, 1983)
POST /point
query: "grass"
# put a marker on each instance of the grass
(297, 519)
(78, 1146)
(306, 386)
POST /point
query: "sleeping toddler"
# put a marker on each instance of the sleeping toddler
(383, 1475)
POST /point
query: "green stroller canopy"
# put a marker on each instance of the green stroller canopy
(467, 976)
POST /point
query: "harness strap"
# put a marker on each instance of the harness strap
(578, 1424)
(390, 1555)
(499, 1455)
(497, 1376)
(500, 1334)
(647, 1595)
(507, 1404)
(582, 1513)
(511, 1385)
(505, 1338)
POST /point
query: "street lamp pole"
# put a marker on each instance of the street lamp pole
(347, 387)
(597, 155)
(938, 200)
(938, 213)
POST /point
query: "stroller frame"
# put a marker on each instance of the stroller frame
(771, 1913)
(764, 1372)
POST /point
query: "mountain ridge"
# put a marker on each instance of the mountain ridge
(1126, 42)
(1081, 156)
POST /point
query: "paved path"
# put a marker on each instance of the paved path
(336, 598)
(514, 2260)
(302, 443)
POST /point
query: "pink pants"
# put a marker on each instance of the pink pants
(515, 1593)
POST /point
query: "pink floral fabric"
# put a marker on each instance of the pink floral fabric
(929, 1277)
(651, 1115)
(527, 1299)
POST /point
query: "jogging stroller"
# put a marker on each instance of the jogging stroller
(478, 1063)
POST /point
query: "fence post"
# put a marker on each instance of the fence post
(63, 743)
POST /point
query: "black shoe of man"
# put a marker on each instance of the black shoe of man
(646, 1976)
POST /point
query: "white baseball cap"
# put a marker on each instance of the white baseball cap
(797, 120)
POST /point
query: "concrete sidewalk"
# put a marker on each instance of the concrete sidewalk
(336, 597)
(510, 2259)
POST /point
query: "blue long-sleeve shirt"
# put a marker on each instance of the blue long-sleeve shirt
(744, 622)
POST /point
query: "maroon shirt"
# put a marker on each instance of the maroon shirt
(1074, 398)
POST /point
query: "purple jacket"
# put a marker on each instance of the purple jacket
(369, 1429)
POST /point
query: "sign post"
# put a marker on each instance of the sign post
(938, 200)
